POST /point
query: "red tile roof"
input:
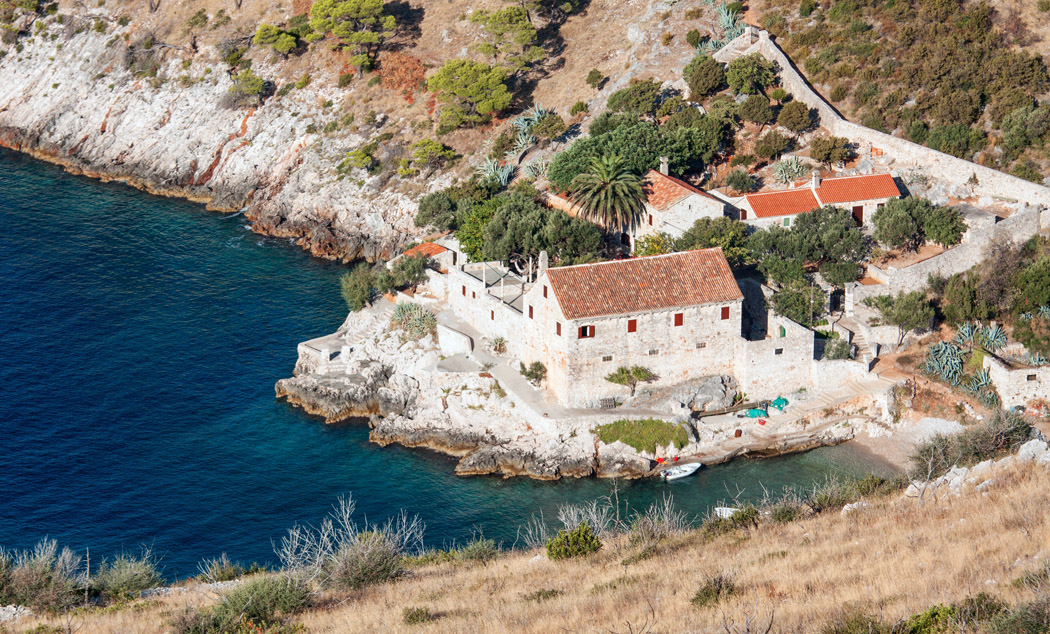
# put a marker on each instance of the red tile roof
(659, 282)
(787, 202)
(428, 249)
(662, 191)
(832, 191)
(849, 189)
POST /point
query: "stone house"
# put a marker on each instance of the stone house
(672, 206)
(861, 195)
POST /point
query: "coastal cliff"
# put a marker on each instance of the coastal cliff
(72, 100)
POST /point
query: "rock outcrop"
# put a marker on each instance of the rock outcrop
(72, 101)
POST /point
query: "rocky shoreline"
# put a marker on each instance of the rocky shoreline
(71, 101)
(413, 395)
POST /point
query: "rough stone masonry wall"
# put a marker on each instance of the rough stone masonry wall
(1018, 386)
(946, 167)
(1017, 228)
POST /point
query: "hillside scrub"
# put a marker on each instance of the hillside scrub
(942, 71)
(992, 439)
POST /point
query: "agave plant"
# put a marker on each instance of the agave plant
(993, 338)
(944, 360)
(523, 123)
(524, 141)
(727, 18)
(1034, 358)
(967, 335)
(417, 320)
(504, 174)
(789, 169)
(1024, 317)
(1044, 312)
(536, 167)
(488, 169)
(536, 113)
(989, 398)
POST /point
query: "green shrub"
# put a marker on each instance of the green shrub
(839, 92)
(1044, 5)
(1029, 618)
(595, 78)
(220, 569)
(372, 558)
(579, 542)
(356, 287)
(126, 576)
(543, 594)
(713, 590)
(990, 439)
(46, 578)
(854, 621)
(262, 601)
(638, 98)
(415, 616)
(345, 79)
(692, 38)
(478, 550)
(740, 181)
(578, 108)
(246, 90)
(643, 435)
(536, 372)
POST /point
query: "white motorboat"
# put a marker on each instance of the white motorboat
(681, 471)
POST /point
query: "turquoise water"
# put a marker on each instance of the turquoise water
(140, 341)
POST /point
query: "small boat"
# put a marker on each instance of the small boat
(681, 471)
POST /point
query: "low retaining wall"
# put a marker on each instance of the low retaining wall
(1018, 386)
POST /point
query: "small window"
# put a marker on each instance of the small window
(880, 205)
(783, 332)
(654, 352)
(1030, 377)
(778, 351)
(787, 222)
(650, 220)
(725, 312)
(607, 358)
(464, 291)
(678, 319)
(492, 315)
(557, 328)
(544, 291)
(530, 312)
(473, 295)
(743, 214)
(586, 332)
(700, 345)
(632, 325)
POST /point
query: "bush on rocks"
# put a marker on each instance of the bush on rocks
(579, 542)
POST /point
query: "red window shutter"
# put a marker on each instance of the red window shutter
(650, 220)
(492, 315)
(473, 295)
(544, 291)
(725, 312)
(464, 291)
(678, 319)
(586, 332)
(557, 328)
(632, 325)
(743, 214)
(530, 312)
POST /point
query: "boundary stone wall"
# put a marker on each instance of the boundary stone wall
(1018, 386)
(991, 182)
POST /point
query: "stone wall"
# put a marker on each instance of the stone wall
(1017, 228)
(1018, 386)
(991, 182)
(782, 362)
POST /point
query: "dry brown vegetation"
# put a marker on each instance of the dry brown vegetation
(892, 559)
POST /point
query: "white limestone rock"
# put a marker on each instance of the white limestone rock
(1033, 451)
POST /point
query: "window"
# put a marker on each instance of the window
(492, 315)
(725, 312)
(530, 312)
(632, 325)
(880, 205)
(464, 291)
(778, 351)
(557, 328)
(473, 295)
(650, 220)
(586, 332)
(607, 358)
(654, 352)
(1030, 377)
(787, 222)
(783, 332)
(544, 291)
(678, 319)
(700, 345)
(743, 214)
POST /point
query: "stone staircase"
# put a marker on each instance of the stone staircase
(864, 349)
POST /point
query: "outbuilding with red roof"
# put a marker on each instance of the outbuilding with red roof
(861, 195)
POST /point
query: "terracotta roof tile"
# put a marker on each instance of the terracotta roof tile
(787, 202)
(662, 191)
(659, 282)
(848, 189)
(428, 249)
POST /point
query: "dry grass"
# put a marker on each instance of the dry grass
(894, 558)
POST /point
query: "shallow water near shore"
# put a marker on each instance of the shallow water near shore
(140, 343)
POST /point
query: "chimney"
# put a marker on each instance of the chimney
(663, 165)
(543, 264)
(815, 184)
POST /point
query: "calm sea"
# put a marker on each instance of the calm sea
(140, 339)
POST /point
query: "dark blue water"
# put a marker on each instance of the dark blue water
(140, 339)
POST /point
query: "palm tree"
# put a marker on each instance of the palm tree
(608, 194)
